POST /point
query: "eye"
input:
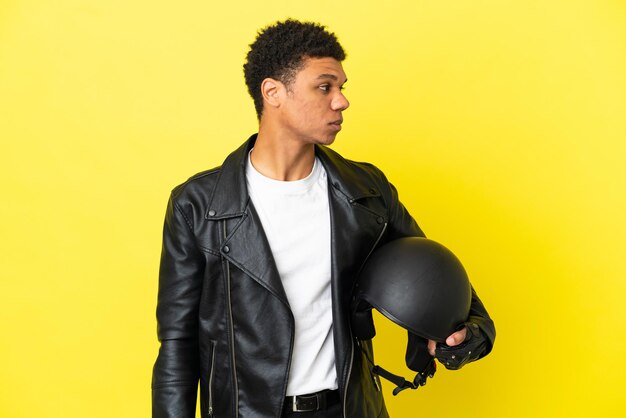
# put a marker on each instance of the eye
(325, 88)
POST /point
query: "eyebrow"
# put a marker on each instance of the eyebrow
(329, 76)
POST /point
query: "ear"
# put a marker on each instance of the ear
(272, 90)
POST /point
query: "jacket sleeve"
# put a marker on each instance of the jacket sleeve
(176, 370)
(402, 224)
(479, 316)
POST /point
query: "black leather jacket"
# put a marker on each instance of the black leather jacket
(223, 316)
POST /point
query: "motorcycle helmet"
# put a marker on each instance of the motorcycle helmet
(421, 286)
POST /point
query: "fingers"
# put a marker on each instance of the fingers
(456, 338)
(431, 347)
(462, 347)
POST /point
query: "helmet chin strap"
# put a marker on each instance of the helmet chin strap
(400, 382)
(417, 358)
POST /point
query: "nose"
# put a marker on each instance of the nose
(339, 102)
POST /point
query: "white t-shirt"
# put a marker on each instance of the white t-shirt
(296, 219)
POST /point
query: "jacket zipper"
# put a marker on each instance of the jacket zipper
(289, 360)
(345, 390)
(211, 379)
(232, 330)
(345, 393)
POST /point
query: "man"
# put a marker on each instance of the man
(260, 255)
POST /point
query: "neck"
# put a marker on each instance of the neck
(281, 157)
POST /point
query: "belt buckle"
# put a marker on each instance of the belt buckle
(296, 407)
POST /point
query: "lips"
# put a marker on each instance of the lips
(336, 124)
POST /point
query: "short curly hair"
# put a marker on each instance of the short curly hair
(279, 51)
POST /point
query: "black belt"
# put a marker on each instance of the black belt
(312, 402)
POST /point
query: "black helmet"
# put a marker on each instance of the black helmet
(421, 286)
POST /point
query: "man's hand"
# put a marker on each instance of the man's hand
(462, 347)
(454, 339)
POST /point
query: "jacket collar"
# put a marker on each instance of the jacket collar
(230, 195)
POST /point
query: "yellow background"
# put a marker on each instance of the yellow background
(502, 123)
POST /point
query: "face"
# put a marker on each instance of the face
(311, 108)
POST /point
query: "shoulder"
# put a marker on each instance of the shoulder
(192, 196)
(199, 181)
(365, 169)
(351, 171)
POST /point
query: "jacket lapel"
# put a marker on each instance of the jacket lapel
(244, 243)
(358, 216)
